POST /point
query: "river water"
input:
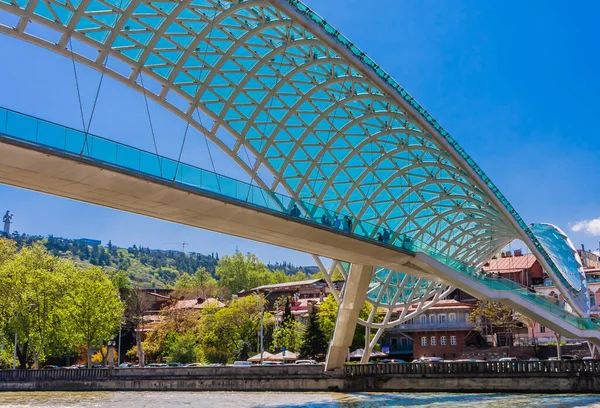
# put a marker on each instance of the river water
(292, 399)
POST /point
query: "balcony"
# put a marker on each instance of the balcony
(433, 327)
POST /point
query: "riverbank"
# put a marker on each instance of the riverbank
(512, 377)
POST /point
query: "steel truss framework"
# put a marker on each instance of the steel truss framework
(304, 103)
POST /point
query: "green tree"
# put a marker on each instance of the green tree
(183, 348)
(200, 284)
(238, 272)
(32, 293)
(136, 305)
(222, 331)
(96, 307)
(494, 317)
(314, 343)
(289, 335)
(121, 281)
(174, 323)
(327, 315)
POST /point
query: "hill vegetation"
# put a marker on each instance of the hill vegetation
(145, 267)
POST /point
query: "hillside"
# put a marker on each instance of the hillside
(148, 268)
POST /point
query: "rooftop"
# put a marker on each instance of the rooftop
(198, 304)
(510, 263)
(286, 285)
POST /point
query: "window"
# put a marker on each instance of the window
(423, 319)
(542, 329)
(394, 341)
(452, 317)
(431, 319)
(442, 318)
(467, 316)
(423, 341)
(453, 340)
(443, 340)
(592, 299)
(404, 341)
(433, 341)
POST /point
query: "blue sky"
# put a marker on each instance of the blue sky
(516, 83)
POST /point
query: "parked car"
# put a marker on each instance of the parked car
(156, 365)
(50, 367)
(391, 361)
(216, 365)
(240, 364)
(429, 360)
(465, 360)
(272, 363)
(196, 365)
(175, 365)
(588, 358)
(534, 359)
(306, 362)
(565, 357)
(125, 365)
(507, 359)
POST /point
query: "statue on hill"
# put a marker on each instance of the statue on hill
(7, 221)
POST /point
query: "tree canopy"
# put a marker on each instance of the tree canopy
(51, 305)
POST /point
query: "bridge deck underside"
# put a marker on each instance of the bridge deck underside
(65, 177)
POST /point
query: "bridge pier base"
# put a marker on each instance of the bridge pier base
(355, 294)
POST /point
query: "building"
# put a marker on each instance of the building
(90, 242)
(591, 266)
(306, 289)
(443, 330)
(524, 269)
(197, 304)
(303, 295)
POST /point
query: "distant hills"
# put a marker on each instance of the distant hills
(148, 268)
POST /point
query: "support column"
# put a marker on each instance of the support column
(355, 294)
(592, 348)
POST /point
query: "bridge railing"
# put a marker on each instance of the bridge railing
(591, 367)
(167, 372)
(94, 149)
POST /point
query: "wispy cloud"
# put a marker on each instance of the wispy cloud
(591, 227)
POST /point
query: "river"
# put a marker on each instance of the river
(292, 399)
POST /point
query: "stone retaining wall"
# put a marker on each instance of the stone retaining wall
(539, 377)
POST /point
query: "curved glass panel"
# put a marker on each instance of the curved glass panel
(564, 255)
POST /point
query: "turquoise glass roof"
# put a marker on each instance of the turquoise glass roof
(563, 254)
(330, 126)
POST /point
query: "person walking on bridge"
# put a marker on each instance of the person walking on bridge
(295, 211)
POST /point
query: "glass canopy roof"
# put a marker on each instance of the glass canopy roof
(302, 102)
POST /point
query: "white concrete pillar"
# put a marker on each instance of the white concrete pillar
(355, 294)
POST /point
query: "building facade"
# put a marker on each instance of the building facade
(443, 331)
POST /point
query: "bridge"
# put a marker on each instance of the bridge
(323, 132)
